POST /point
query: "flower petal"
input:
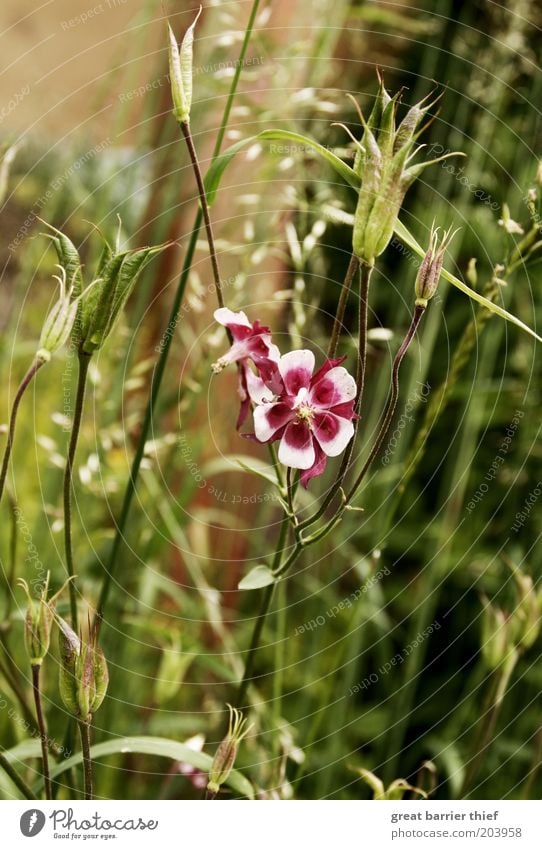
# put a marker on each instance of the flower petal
(296, 447)
(332, 432)
(268, 418)
(257, 389)
(236, 322)
(336, 387)
(317, 468)
(296, 369)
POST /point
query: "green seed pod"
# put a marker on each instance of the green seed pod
(180, 72)
(381, 162)
(59, 323)
(38, 621)
(84, 675)
(496, 637)
(226, 753)
(99, 306)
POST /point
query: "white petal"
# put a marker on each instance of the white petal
(296, 447)
(332, 432)
(227, 317)
(296, 369)
(335, 387)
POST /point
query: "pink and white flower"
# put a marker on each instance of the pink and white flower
(251, 342)
(312, 414)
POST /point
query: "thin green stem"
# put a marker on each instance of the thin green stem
(36, 668)
(84, 362)
(27, 379)
(84, 728)
(159, 371)
(265, 604)
(353, 266)
(21, 785)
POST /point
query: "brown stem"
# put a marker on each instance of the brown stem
(36, 668)
(185, 129)
(387, 418)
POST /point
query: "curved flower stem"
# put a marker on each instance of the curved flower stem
(158, 375)
(365, 281)
(84, 728)
(34, 368)
(84, 362)
(392, 402)
(21, 785)
(36, 668)
(353, 266)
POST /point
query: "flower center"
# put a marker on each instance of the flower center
(304, 413)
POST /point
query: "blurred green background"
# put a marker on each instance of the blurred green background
(437, 538)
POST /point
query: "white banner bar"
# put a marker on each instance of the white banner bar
(273, 825)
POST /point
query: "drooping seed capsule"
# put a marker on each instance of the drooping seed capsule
(428, 276)
(226, 753)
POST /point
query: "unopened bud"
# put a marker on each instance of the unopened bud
(226, 753)
(428, 276)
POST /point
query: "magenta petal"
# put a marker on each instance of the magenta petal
(268, 418)
(317, 468)
(335, 387)
(328, 365)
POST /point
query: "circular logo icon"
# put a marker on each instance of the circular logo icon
(32, 822)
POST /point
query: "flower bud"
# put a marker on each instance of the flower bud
(428, 275)
(84, 676)
(180, 72)
(38, 621)
(226, 753)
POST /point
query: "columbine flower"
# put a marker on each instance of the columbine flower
(251, 342)
(311, 415)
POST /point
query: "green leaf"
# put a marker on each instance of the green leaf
(258, 577)
(232, 462)
(160, 747)
(407, 237)
(216, 171)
